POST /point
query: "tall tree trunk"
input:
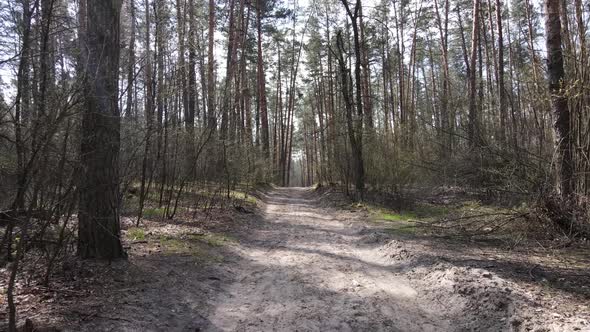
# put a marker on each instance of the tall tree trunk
(131, 61)
(345, 82)
(22, 104)
(473, 126)
(46, 63)
(385, 72)
(514, 105)
(559, 103)
(330, 122)
(191, 93)
(191, 90)
(400, 48)
(200, 40)
(226, 106)
(149, 113)
(501, 91)
(212, 117)
(262, 83)
(181, 30)
(358, 130)
(99, 229)
(278, 123)
(161, 48)
(365, 74)
(443, 28)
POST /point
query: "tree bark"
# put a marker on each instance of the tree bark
(559, 103)
(192, 91)
(212, 118)
(262, 83)
(131, 62)
(149, 113)
(182, 82)
(227, 106)
(501, 92)
(357, 131)
(99, 229)
(443, 28)
(473, 126)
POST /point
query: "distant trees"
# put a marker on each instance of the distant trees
(476, 80)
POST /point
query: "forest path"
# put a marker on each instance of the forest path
(303, 270)
(302, 264)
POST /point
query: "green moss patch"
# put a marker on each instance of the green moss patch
(173, 245)
(404, 221)
(136, 234)
(153, 212)
(198, 245)
(211, 239)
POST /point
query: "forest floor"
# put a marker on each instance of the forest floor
(301, 260)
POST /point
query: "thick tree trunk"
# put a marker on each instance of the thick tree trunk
(99, 229)
(559, 103)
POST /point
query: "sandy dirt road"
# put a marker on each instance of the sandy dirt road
(304, 272)
(301, 265)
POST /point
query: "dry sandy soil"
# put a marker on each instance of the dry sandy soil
(301, 264)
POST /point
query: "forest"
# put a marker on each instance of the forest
(204, 152)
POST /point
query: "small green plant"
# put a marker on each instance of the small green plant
(243, 196)
(402, 216)
(136, 234)
(153, 212)
(194, 245)
(172, 245)
(420, 212)
(404, 222)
